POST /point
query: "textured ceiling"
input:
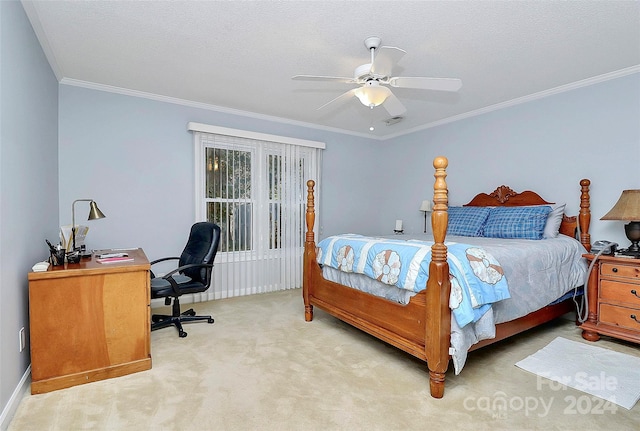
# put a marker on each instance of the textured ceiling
(240, 56)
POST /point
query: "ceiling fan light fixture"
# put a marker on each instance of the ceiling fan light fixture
(375, 77)
(372, 94)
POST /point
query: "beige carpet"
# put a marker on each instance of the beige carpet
(262, 367)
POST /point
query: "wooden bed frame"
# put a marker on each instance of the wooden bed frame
(422, 328)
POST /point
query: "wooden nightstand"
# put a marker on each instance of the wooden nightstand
(614, 299)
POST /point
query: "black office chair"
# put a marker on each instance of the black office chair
(193, 275)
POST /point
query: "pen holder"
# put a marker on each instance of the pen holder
(74, 256)
(57, 258)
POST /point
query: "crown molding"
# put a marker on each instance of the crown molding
(200, 105)
(33, 17)
(529, 98)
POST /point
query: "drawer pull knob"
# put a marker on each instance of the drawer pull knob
(634, 292)
(614, 269)
(633, 316)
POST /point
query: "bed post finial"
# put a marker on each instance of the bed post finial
(584, 217)
(311, 211)
(439, 215)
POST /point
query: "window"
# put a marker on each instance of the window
(254, 187)
(228, 196)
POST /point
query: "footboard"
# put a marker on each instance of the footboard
(421, 328)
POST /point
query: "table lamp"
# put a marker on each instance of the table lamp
(628, 209)
(425, 207)
(94, 214)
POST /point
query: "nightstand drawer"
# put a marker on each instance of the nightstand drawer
(620, 292)
(617, 270)
(620, 316)
(614, 299)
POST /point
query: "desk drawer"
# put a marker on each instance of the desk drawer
(620, 316)
(617, 270)
(620, 292)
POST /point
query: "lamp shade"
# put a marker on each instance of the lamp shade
(94, 212)
(627, 208)
(426, 206)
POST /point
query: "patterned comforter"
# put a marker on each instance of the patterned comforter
(477, 278)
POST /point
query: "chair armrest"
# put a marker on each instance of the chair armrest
(191, 265)
(163, 259)
(172, 282)
(183, 267)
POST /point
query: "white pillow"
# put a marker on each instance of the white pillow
(554, 219)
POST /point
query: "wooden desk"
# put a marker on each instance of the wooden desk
(89, 321)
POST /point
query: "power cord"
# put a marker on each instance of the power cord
(583, 309)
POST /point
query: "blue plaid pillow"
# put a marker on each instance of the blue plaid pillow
(467, 221)
(516, 222)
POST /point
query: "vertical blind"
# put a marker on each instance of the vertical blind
(254, 187)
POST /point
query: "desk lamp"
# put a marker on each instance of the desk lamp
(425, 207)
(94, 214)
(628, 209)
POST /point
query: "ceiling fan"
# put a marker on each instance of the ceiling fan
(373, 77)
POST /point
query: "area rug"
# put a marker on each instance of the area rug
(606, 374)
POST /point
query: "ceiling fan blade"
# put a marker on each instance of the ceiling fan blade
(341, 98)
(323, 78)
(385, 59)
(439, 84)
(393, 106)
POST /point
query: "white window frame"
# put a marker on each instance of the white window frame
(201, 209)
(256, 180)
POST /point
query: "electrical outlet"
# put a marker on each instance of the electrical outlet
(21, 337)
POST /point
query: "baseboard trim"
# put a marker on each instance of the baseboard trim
(16, 397)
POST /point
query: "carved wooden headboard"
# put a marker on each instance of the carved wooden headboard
(505, 196)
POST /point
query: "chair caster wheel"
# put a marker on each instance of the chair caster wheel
(182, 334)
(210, 320)
(189, 312)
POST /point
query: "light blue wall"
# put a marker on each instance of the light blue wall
(134, 157)
(547, 145)
(28, 182)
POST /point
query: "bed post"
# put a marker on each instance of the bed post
(584, 217)
(438, 313)
(309, 251)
